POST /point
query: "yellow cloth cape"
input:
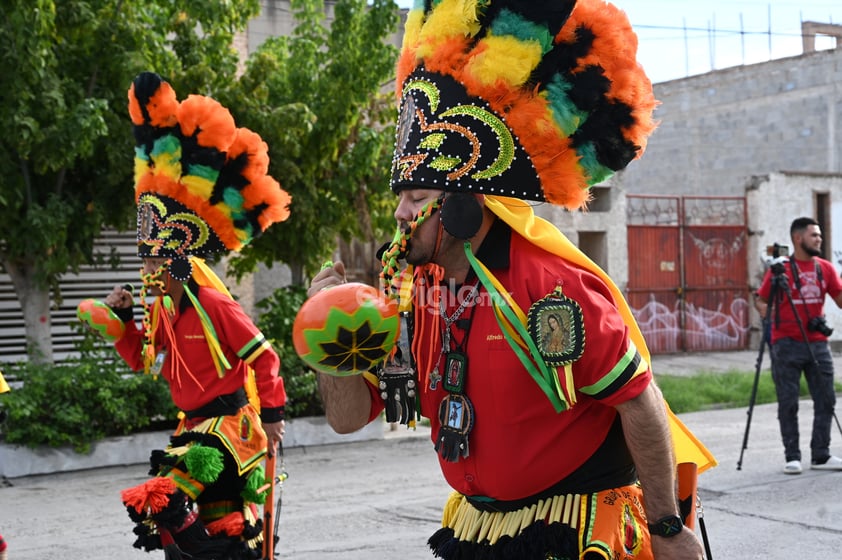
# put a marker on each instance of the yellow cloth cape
(520, 217)
(205, 276)
(4, 387)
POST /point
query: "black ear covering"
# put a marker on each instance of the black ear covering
(461, 215)
(180, 268)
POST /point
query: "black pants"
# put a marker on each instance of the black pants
(789, 359)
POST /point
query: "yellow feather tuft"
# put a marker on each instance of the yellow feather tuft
(412, 29)
(167, 164)
(198, 186)
(505, 58)
(141, 168)
(451, 18)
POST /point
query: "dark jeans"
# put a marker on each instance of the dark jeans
(789, 358)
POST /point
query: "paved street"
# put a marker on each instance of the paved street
(381, 499)
(368, 500)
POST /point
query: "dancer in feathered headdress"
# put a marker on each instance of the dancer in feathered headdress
(557, 444)
(202, 187)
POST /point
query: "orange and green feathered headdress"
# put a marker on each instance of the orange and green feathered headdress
(536, 100)
(201, 184)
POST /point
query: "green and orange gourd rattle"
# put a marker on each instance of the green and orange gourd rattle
(346, 329)
(101, 319)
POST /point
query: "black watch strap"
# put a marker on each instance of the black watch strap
(667, 527)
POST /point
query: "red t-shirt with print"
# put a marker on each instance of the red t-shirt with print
(808, 300)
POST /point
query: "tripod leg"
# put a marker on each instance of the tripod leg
(752, 399)
(766, 324)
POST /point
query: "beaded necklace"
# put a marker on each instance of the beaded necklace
(456, 412)
(398, 247)
(446, 333)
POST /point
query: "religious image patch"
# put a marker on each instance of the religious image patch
(557, 326)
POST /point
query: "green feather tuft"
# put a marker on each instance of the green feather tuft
(509, 23)
(256, 479)
(234, 199)
(140, 153)
(204, 171)
(204, 463)
(167, 144)
(566, 114)
(595, 171)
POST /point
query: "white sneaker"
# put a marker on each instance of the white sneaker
(793, 467)
(833, 463)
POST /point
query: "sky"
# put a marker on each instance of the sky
(678, 38)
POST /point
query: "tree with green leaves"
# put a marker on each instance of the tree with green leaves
(323, 101)
(66, 151)
(66, 148)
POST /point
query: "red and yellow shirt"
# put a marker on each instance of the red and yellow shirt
(519, 444)
(242, 343)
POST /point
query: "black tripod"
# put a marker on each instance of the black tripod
(780, 289)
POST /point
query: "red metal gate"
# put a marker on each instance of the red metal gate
(688, 277)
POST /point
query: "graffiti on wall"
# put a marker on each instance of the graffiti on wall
(721, 328)
(717, 256)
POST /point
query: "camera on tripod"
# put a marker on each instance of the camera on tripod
(819, 325)
(775, 258)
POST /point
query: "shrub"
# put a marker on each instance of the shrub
(79, 403)
(275, 322)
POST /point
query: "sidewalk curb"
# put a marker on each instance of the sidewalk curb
(18, 460)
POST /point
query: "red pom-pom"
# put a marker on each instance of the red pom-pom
(152, 495)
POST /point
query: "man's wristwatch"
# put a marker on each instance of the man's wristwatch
(667, 527)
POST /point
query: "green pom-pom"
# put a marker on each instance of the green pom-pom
(204, 463)
(256, 479)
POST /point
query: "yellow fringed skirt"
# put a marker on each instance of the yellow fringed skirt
(609, 524)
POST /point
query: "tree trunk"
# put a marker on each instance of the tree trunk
(35, 304)
(297, 274)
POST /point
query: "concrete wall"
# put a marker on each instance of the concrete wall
(600, 232)
(720, 128)
(276, 19)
